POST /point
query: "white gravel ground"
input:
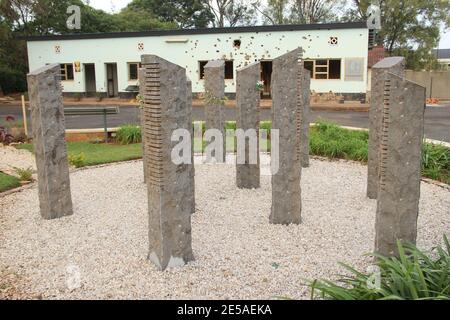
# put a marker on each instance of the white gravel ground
(11, 157)
(238, 253)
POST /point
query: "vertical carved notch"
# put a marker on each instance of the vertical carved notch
(385, 132)
(153, 128)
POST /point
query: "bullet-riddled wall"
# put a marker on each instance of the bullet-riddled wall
(345, 45)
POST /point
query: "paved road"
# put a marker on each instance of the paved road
(437, 119)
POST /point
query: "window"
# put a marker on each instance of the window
(67, 71)
(229, 69)
(133, 70)
(324, 69)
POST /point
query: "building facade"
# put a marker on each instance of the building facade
(107, 63)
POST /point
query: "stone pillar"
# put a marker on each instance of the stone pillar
(169, 184)
(286, 192)
(305, 117)
(47, 114)
(394, 65)
(248, 102)
(191, 166)
(214, 99)
(141, 116)
(400, 156)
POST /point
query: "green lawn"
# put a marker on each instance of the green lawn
(8, 182)
(98, 153)
(327, 140)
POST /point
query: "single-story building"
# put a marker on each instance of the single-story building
(443, 57)
(107, 63)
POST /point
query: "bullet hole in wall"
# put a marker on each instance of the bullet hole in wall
(237, 44)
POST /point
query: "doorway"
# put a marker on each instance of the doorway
(89, 79)
(111, 78)
(266, 76)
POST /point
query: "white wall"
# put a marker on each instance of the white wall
(353, 43)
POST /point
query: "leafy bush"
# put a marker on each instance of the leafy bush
(436, 162)
(77, 160)
(24, 174)
(414, 275)
(12, 81)
(129, 134)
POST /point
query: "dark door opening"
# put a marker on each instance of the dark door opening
(111, 78)
(89, 79)
(266, 76)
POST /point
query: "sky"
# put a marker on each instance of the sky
(117, 5)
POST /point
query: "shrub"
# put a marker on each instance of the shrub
(12, 81)
(24, 174)
(414, 275)
(436, 162)
(129, 134)
(77, 160)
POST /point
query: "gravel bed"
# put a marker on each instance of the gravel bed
(11, 157)
(239, 255)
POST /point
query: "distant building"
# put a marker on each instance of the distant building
(443, 57)
(107, 63)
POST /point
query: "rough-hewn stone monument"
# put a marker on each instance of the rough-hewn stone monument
(287, 84)
(214, 99)
(380, 71)
(305, 115)
(47, 114)
(400, 156)
(169, 184)
(247, 125)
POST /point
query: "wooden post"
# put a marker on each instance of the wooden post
(24, 113)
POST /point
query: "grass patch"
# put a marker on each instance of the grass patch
(95, 154)
(8, 182)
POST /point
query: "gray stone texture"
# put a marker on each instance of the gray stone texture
(286, 191)
(394, 65)
(305, 116)
(169, 185)
(47, 115)
(214, 93)
(191, 166)
(400, 164)
(248, 100)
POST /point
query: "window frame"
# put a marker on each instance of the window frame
(64, 74)
(326, 66)
(138, 66)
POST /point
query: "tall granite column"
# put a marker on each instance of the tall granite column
(47, 114)
(248, 103)
(305, 118)
(286, 192)
(169, 184)
(214, 95)
(394, 65)
(191, 166)
(400, 156)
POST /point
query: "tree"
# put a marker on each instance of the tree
(410, 28)
(276, 11)
(231, 13)
(313, 11)
(185, 13)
